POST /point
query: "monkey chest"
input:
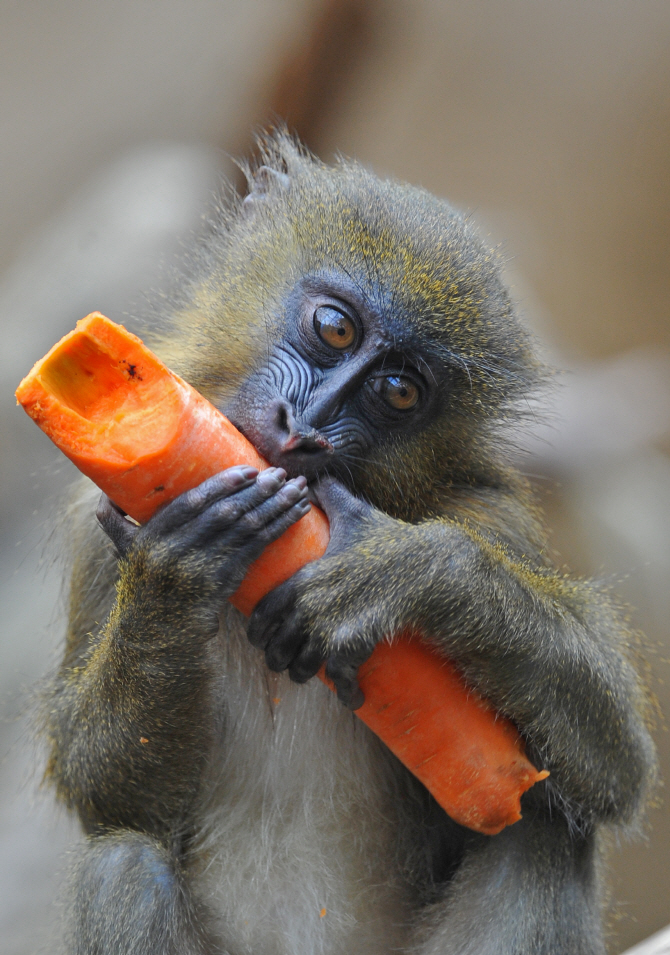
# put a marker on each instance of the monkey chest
(297, 842)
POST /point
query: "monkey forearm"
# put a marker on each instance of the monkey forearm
(131, 718)
(543, 648)
(547, 651)
(130, 728)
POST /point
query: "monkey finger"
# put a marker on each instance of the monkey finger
(249, 550)
(307, 663)
(342, 509)
(191, 504)
(250, 544)
(250, 514)
(285, 643)
(234, 560)
(342, 669)
(112, 519)
(269, 614)
(243, 513)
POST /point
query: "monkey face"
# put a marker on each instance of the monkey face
(343, 380)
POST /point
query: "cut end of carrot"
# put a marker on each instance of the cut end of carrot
(100, 394)
(144, 436)
(445, 733)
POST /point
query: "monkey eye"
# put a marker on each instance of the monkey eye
(398, 392)
(334, 327)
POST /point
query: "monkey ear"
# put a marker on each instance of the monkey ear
(263, 183)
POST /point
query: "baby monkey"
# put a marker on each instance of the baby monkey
(360, 335)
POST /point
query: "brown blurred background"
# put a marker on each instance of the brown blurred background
(549, 123)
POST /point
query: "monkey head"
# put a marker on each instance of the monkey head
(355, 327)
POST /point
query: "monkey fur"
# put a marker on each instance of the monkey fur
(359, 333)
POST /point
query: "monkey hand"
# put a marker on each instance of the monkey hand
(202, 543)
(336, 609)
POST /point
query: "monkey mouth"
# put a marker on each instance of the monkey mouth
(309, 461)
(306, 453)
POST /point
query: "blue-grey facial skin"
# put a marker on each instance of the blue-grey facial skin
(317, 407)
(359, 333)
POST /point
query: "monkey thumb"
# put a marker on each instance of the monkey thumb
(340, 505)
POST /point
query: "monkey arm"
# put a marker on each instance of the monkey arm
(130, 725)
(130, 716)
(548, 651)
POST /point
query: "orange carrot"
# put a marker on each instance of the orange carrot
(144, 436)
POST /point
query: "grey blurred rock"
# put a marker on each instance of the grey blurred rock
(625, 510)
(34, 834)
(104, 247)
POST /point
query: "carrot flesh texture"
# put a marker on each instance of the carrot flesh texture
(144, 436)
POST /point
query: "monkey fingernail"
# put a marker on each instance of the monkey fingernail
(237, 477)
(272, 476)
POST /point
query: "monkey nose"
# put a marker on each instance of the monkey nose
(294, 438)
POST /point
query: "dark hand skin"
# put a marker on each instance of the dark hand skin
(278, 627)
(227, 521)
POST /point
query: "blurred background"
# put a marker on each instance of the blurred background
(548, 123)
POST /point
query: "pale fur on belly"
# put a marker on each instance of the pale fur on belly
(296, 849)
